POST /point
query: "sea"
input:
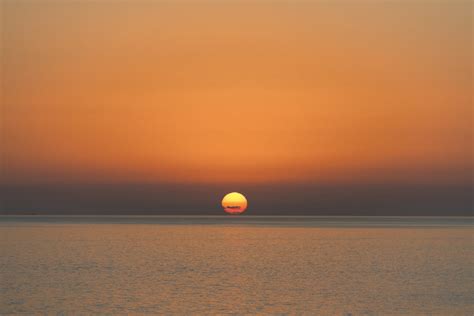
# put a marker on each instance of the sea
(236, 265)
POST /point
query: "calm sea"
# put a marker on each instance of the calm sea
(236, 265)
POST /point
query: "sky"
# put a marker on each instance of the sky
(306, 107)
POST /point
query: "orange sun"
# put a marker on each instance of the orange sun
(234, 203)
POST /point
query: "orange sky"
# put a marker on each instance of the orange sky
(236, 91)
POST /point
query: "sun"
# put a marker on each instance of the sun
(234, 203)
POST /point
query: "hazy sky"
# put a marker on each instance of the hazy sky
(224, 94)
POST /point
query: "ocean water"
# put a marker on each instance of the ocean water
(236, 265)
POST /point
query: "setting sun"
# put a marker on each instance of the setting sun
(234, 203)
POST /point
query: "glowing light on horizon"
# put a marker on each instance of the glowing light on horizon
(234, 203)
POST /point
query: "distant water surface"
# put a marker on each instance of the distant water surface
(236, 265)
(321, 221)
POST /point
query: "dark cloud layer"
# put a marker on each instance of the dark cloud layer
(281, 199)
